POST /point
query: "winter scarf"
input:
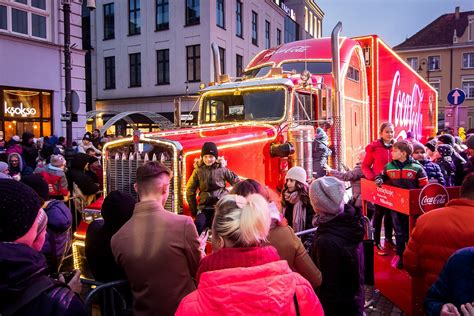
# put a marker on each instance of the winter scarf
(299, 212)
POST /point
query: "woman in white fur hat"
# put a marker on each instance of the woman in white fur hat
(295, 200)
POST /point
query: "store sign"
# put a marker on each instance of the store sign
(22, 111)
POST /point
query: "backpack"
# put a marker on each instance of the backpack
(54, 183)
(57, 292)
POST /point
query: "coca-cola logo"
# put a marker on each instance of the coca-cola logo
(405, 109)
(294, 49)
(20, 110)
(433, 196)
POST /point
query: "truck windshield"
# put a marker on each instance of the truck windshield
(247, 105)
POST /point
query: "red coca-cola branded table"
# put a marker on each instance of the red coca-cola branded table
(395, 284)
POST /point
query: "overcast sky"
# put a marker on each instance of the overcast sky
(392, 20)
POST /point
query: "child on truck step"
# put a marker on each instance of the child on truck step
(209, 176)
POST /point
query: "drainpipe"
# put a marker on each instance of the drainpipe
(337, 138)
(217, 62)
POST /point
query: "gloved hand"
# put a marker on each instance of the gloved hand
(379, 182)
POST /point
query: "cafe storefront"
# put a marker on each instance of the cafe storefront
(25, 110)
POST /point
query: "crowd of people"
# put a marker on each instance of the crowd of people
(258, 264)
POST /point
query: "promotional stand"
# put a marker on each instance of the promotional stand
(397, 285)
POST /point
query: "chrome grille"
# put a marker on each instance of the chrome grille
(121, 169)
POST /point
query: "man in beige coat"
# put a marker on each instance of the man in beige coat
(158, 250)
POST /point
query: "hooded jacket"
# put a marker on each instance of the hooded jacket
(431, 245)
(20, 268)
(433, 171)
(267, 289)
(321, 152)
(29, 153)
(377, 155)
(338, 253)
(58, 235)
(211, 182)
(22, 169)
(76, 174)
(55, 177)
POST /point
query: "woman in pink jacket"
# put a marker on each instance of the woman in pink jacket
(377, 155)
(245, 275)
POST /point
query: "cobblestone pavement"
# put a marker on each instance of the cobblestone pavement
(380, 306)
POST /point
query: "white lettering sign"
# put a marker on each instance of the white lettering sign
(405, 109)
(19, 110)
(435, 200)
(294, 49)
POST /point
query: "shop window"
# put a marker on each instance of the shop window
(25, 111)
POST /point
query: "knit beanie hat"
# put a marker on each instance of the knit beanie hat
(209, 148)
(327, 197)
(38, 184)
(431, 145)
(296, 173)
(470, 141)
(3, 166)
(417, 146)
(117, 209)
(445, 150)
(58, 161)
(447, 139)
(19, 206)
(16, 138)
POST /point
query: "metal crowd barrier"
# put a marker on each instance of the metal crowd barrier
(111, 300)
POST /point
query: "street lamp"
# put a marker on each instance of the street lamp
(67, 70)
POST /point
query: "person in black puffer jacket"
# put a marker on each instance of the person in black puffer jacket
(76, 174)
(29, 153)
(58, 231)
(433, 171)
(458, 161)
(116, 211)
(445, 162)
(337, 249)
(25, 288)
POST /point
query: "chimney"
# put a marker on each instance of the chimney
(456, 13)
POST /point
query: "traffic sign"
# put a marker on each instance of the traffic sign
(456, 96)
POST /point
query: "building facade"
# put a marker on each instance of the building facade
(443, 52)
(32, 68)
(148, 53)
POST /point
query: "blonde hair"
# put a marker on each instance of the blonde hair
(244, 222)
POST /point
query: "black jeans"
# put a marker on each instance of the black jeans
(400, 224)
(379, 214)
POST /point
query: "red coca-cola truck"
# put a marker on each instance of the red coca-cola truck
(264, 122)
